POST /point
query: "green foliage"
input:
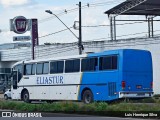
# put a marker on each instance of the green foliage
(77, 107)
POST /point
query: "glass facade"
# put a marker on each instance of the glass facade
(5, 81)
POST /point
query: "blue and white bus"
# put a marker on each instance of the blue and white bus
(104, 76)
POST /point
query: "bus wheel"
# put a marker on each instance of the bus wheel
(5, 97)
(26, 96)
(87, 97)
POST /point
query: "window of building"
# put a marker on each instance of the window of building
(72, 65)
(39, 69)
(45, 68)
(89, 64)
(56, 67)
(108, 63)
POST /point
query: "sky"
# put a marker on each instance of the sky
(48, 24)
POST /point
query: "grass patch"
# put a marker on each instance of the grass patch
(116, 109)
(145, 100)
(97, 108)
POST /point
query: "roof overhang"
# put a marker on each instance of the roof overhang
(136, 7)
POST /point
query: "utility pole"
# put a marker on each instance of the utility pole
(80, 30)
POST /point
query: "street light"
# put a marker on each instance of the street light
(79, 39)
(50, 12)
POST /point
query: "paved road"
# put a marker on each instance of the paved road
(71, 118)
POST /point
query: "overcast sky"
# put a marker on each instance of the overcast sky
(91, 16)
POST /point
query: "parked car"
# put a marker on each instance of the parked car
(7, 94)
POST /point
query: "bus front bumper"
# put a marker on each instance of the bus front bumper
(135, 94)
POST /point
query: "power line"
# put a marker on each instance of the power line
(107, 38)
(76, 9)
(87, 26)
(55, 32)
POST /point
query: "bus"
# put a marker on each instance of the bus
(103, 76)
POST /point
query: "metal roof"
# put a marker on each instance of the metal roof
(136, 7)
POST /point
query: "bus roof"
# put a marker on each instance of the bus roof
(109, 52)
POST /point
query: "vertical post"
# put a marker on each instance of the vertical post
(149, 33)
(80, 30)
(114, 28)
(152, 26)
(111, 28)
(34, 35)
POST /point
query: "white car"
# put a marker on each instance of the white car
(7, 94)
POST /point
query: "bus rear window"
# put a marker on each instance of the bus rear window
(108, 63)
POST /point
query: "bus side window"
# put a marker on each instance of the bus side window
(89, 64)
(45, 68)
(108, 63)
(60, 66)
(27, 68)
(76, 65)
(72, 65)
(84, 65)
(114, 62)
(56, 67)
(39, 67)
(53, 67)
(33, 69)
(93, 64)
(68, 66)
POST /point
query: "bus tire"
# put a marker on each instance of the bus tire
(5, 97)
(26, 96)
(87, 97)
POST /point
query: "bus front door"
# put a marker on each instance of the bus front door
(15, 79)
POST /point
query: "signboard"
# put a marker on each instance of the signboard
(21, 38)
(34, 32)
(19, 24)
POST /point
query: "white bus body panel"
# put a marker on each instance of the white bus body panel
(50, 87)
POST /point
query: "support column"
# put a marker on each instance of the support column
(113, 28)
(150, 27)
